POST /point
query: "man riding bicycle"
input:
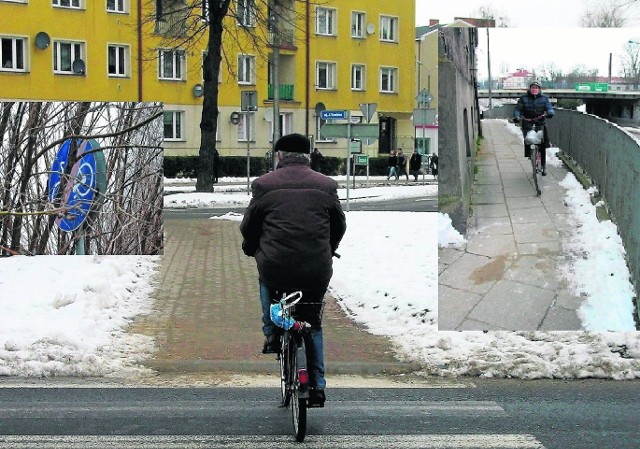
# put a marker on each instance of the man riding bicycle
(533, 106)
(292, 227)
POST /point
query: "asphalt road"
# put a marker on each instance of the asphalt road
(550, 414)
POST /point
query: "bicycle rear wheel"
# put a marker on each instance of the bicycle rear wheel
(298, 403)
(536, 175)
(285, 362)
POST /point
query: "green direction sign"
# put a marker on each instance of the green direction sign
(358, 130)
(360, 159)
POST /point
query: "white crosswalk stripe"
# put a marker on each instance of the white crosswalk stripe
(494, 441)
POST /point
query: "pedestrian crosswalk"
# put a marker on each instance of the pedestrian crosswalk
(489, 441)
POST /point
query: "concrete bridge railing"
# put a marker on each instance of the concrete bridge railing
(611, 158)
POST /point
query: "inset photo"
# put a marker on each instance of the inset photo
(81, 178)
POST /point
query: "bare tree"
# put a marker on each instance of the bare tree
(489, 12)
(129, 220)
(187, 25)
(631, 62)
(606, 14)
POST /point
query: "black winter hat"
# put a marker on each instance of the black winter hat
(293, 143)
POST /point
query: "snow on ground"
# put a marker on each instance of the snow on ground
(67, 315)
(386, 279)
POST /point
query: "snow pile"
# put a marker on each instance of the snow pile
(447, 234)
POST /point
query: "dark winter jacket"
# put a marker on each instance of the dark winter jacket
(393, 161)
(530, 107)
(415, 162)
(293, 225)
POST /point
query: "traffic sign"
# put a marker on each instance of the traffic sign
(249, 100)
(368, 109)
(333, 115)
(86, 184)
(358, 130)
(360, 159)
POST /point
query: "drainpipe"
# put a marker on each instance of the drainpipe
(140, 51)
(307, 68)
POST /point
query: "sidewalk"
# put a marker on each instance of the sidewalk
(207, 315)
(505, 277)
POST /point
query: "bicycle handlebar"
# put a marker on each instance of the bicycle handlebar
(297, 296)
(535, 119)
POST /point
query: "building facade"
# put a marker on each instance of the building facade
(333, 55)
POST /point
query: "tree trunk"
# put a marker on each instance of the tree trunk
(209, 120)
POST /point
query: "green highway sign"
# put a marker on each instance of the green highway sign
(358, 130)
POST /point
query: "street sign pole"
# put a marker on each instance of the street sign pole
(348, 153)
(248, 153)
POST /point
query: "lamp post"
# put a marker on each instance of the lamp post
(273, 19)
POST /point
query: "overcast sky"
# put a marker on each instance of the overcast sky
(539, 13)
(586, 46)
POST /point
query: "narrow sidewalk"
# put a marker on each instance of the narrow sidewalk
(505, 277)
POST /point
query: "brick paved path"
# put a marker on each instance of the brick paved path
(207, 311)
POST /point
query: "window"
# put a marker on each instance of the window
(319, 124)
(173, 125)
(246, 13)
(171, 64)
(389, 29)
(326, 21)
(325, 75)
(286, 125)
(12, 54)
(116, 6)
(67, 3)
(388, 79)
(357, 77)
(65, 54)
(242, 126)
(246, 69)
(118, 60)
(357, 24)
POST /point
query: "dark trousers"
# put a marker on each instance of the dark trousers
(542, 148)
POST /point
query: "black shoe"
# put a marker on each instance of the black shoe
(316, 398)
(544, 171)
(271, 345)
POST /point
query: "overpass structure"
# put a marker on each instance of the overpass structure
(621, 107)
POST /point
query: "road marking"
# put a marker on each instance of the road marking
(171, 408)
(490, 441)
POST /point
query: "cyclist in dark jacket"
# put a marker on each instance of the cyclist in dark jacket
(292, 227)
(530, 106)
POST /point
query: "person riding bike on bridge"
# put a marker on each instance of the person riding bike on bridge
(531, 106)
(292, 227)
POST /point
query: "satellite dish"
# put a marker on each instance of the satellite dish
(371, 28)
(268, 114)
(78, 66)
(198, 90)
(42, 40)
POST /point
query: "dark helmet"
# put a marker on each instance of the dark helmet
(535, 83)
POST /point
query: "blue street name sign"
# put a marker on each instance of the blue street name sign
(333, 115)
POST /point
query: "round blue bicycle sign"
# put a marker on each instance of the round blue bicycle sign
(81, 188)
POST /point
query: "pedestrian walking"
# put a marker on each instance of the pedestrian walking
(433, 165)
(415, 163)
(216, 165)
(392, 163)
(402, 164)
(316, 157)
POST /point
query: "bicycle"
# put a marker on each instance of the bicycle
(294, 378)
(534, 138)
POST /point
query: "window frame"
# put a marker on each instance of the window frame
(179, 56)
(363, 77)
(286, 125)
(116, 9)
(177, 124)
(330, 28)
(57, 57)
(393, 71)
(57, 4)
(389, 24)
(354, 25)
(242, 128)
(332, 78)
(248, 63)
(14, 54)
(125, 60)
(249, 13)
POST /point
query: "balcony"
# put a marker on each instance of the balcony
(286, 92)
(286, 39)
(172, 24)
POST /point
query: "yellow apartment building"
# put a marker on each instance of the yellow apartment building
(332, 54)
